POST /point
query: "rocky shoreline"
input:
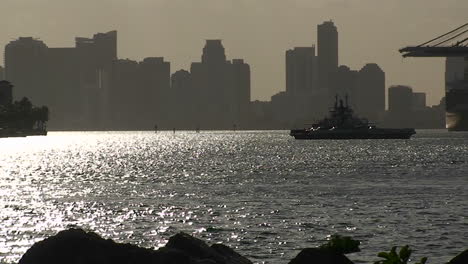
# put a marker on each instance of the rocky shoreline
(76, 246)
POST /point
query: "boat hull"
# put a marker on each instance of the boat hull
(390, 133)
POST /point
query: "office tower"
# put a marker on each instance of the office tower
(370, 96)
(301, 71)
(327, 42)
(400, 99)
(95, 56)
(241, 86)
(212, 81)
(25, 66)
(154, 94)
(6, 93)
(123, 97)
(400, 107)
(183, 97)
(344, 83)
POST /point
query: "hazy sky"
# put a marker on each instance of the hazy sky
(259, 31)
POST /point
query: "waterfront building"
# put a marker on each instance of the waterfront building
(25, 66)
(327, 52)
(370, 94)
(154, 92)
(241, 86)
(345, 83)
(221, 87)
(301, 71)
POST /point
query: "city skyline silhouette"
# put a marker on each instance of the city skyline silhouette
(250, 30)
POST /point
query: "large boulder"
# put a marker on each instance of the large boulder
(461, 258)
(200, 251)
(76, 246)
(319, 256)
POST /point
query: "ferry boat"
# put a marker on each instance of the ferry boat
(343, 124)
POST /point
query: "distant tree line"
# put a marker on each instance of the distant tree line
(22, 115)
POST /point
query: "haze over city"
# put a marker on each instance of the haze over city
(257, 31)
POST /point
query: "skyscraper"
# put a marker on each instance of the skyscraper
(211, 80)
(183, 100)
(344, 83)
(400, 99)
(370, 96)
(154, 94)
(25, 66)
(241, 86)
(301, 71)
(327, 42)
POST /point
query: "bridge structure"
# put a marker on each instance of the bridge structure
(451, 44)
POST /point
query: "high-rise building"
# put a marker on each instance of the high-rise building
(370, 95)
(241, 86)
(400, 99)
(212, 81)
(154, 93)
(25, 66)
(123, 95)
(345, 83)
(327, 52)
(301, 71)
(183, 97)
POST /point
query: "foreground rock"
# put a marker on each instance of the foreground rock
(461, 258)
(319, 256)
(80, 247)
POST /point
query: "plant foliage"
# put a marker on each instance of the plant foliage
(401, 257)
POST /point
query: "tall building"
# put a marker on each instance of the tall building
(183, 100)
(25, 66)
(241, 86)
(327, 52)
(400, 99)
(301, 71)
(345, 83)
(95, 57)
(370, 96)
(212, 81)
(123, 95)
(154, 94)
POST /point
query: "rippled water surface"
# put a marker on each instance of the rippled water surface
(263, 193)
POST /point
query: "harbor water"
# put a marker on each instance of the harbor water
(261, 192)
